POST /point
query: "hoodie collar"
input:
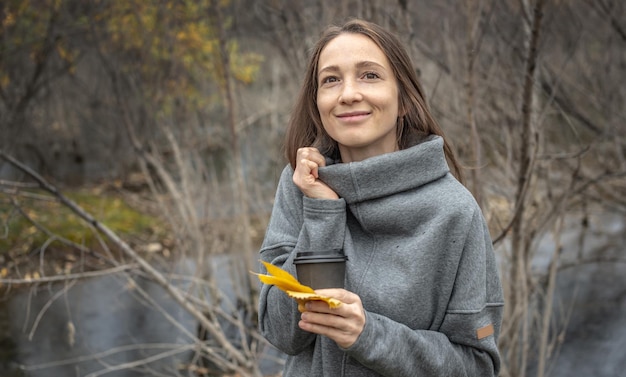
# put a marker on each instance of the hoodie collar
(388, 173)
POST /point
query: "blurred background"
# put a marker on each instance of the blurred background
(140, 146)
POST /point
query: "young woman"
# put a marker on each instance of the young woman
(369, 174)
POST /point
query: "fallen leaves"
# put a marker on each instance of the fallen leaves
(284, 281)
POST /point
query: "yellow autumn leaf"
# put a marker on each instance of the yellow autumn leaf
(284, 281)
(303, 296)
(280, 273)
(284, 285)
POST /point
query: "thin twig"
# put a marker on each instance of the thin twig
(58, 278)
(46, 306)
(549, 299)
(109, 352)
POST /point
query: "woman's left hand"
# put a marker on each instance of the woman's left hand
(343, 324)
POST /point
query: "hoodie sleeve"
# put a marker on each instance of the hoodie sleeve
(466, 342)
(297, 223)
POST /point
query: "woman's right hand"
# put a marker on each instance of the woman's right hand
(305, 176)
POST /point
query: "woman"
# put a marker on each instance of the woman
(369, 174)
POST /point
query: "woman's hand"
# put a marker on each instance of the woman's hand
(343, 324)
(305, 176)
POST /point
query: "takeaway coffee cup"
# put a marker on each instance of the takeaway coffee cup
(321, 269)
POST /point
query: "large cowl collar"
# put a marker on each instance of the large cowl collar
(389, 173)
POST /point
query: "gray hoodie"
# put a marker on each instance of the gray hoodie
(419, 256)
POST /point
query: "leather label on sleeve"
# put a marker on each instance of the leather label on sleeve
(484, 331)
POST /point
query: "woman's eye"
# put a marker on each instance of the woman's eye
(371, 75)
(329, 80)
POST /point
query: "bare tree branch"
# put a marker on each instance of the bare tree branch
(605, 8)
(76, 276)
(241, 363)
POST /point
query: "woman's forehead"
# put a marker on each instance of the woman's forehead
(351, 49)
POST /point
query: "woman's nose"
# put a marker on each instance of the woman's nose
(350, 92)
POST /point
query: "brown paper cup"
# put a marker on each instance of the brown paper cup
(321, 270)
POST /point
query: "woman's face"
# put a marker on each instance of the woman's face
(357, 97)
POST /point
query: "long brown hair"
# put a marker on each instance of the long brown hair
(305, 126)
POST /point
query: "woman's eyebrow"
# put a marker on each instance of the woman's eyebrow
(368, 64)
(361, 64)
(330, 68)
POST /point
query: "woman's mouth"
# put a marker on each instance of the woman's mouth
(353, 116)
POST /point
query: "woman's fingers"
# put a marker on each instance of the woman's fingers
(310, 168)
(301, 306)
(305, 175)
(343, 324)
(312, 154)
(308, 160)
(340, 294)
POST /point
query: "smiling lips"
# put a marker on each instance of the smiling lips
(353, 116)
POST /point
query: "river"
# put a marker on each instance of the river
(100, 326)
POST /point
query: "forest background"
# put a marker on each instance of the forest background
(134, 134)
